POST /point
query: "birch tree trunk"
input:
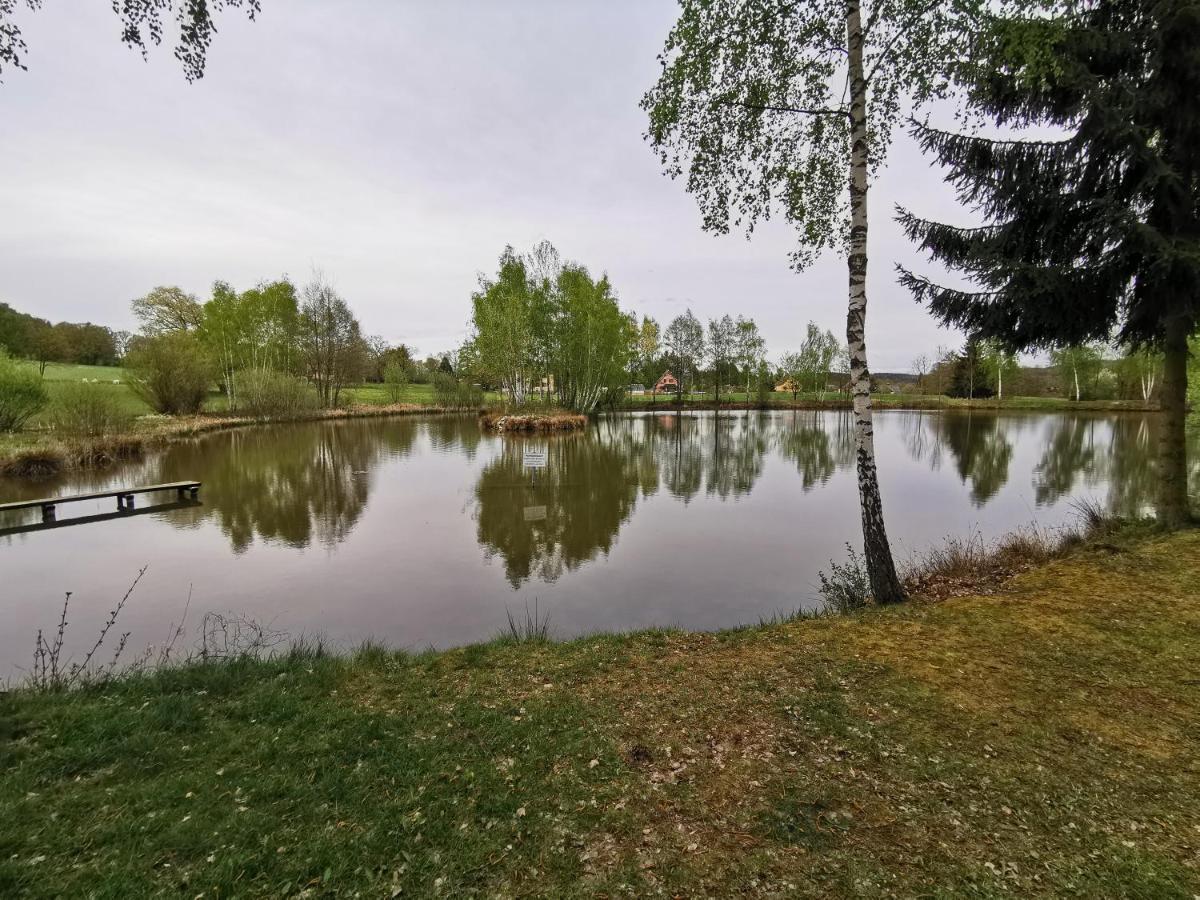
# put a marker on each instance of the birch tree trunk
(1173, 509)
(885, 584)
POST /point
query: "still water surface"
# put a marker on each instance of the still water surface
(424, 532)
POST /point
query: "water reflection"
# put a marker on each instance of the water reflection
(687, 519)
(309, 484)
(542, 521)
(807, 441)
(293, 484)
(1070, 451)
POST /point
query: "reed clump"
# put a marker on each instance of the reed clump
(532, 422)
(48, 460)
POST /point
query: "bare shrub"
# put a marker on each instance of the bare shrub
(53, 672)
(227, 636)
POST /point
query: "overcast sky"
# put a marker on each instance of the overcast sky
(398, 147)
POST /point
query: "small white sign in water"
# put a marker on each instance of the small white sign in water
(535, 513)
(535, 459)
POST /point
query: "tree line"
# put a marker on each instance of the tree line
(1091, 371)
(544, 328)
(79, 343)
(271, 349)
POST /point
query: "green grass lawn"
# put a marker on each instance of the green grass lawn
(1039, 742)
(65, 372)
(105, 376)
(378, 395)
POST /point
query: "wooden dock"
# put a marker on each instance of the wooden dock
(184, 490)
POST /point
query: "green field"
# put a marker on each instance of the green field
(104, 376)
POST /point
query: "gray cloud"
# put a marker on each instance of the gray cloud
(398, 147)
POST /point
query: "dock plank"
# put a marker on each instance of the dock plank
(120, 493)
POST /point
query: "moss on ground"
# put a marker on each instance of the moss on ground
(1039, 741)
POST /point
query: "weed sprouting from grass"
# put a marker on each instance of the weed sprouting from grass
(51, 672)
(796, 615)
(847, 587)
(530, 629)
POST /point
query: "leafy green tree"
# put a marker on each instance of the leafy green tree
(271, 318)
(999, 363)
(1078, 366)
(395, 379)
(47, 344)
(792, 367)
(969, 377)
(16, 330)
(771, 106)
(166, 309)
(256, 330)
(722, 350)
(503, 320)
(684, 341)
(540, 318)
(172, 372)
(592, 341)
(140, 20)
(87, 344)
(818, 353)
(1092, 232)
(751, 349)
(648, 346)
(1141, 367)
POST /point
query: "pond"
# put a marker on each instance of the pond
(425, 532)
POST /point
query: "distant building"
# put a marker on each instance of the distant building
(667, 384)
(637, 390)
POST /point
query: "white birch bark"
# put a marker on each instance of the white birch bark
(885, 584)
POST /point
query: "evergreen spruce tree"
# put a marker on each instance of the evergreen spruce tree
(1094, 234)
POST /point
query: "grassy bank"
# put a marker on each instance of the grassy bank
(34, 454)
(1038, 741)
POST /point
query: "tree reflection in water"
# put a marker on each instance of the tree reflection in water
(543, 521)
(1070, 451)
(290, 483)
(810, 446)
(556, 518)
(978, 444)
(309, 482)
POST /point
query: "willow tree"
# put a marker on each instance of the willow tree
(769, 106)
(1095, 231)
